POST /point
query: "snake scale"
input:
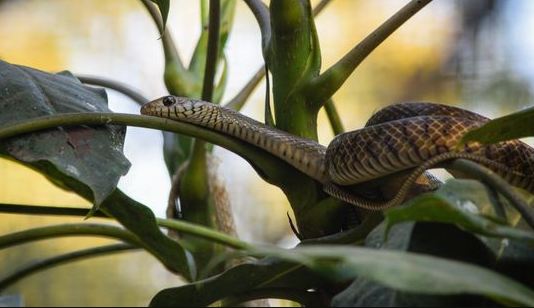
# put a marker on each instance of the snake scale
(403, 137)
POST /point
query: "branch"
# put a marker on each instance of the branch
(47, 210)
(177, 225)
(321, 88)
(114, 85)
(41, 265)
(239, 100)
(333, 117)
(213, 49)
(79, 229)
(499, 184)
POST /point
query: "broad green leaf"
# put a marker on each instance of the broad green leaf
(513, 126)
(406, 271)
(88, 160)
(456, 202)
(164, 6)
(266, 273)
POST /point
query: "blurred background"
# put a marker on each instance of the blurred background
(474, 54)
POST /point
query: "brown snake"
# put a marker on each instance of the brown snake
(408, 136)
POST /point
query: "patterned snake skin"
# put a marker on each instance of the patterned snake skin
(409, 136)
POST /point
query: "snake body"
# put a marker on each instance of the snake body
(401, 137)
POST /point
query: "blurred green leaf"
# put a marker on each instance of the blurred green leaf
(164, 6)
(267, 273)
(516, 259)
(88, 160)
(456, 202)
(405, 271)
(513, 126)
(419, 237)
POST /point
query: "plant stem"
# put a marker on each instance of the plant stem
(203, 232)
(79, 229)
(325, 85)
(44, 264)
(261, 12)
(169, 48)
(114, 85)
(213, 49)
(239, 100)
(333, 117)
(47, 210)
(177, 225)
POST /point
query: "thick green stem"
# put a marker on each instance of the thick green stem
(241, 97)
(41, 265)
(321, 88)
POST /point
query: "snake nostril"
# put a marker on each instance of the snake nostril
(168, 101)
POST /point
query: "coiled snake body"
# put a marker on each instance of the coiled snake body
(401, 137)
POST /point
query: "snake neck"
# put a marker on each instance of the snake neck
(303, 154)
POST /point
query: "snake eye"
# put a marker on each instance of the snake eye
(168, 101)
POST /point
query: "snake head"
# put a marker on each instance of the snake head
(181, 104)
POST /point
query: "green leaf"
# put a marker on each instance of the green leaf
(513, 126)
(266, 273)
(164, 6)
(516, 259)
(453, 244)
(407, 272)
(140, 220)
(456, 202)
(88, 160)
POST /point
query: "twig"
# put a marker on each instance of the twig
(41, 265)
(325, 85)
(177, 225)
(333, 117)
(213, 48)
(261, 12)
(78, 229)
(114, 85)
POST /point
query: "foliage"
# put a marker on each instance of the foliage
(460, 245)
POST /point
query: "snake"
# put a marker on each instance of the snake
(404, 138)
